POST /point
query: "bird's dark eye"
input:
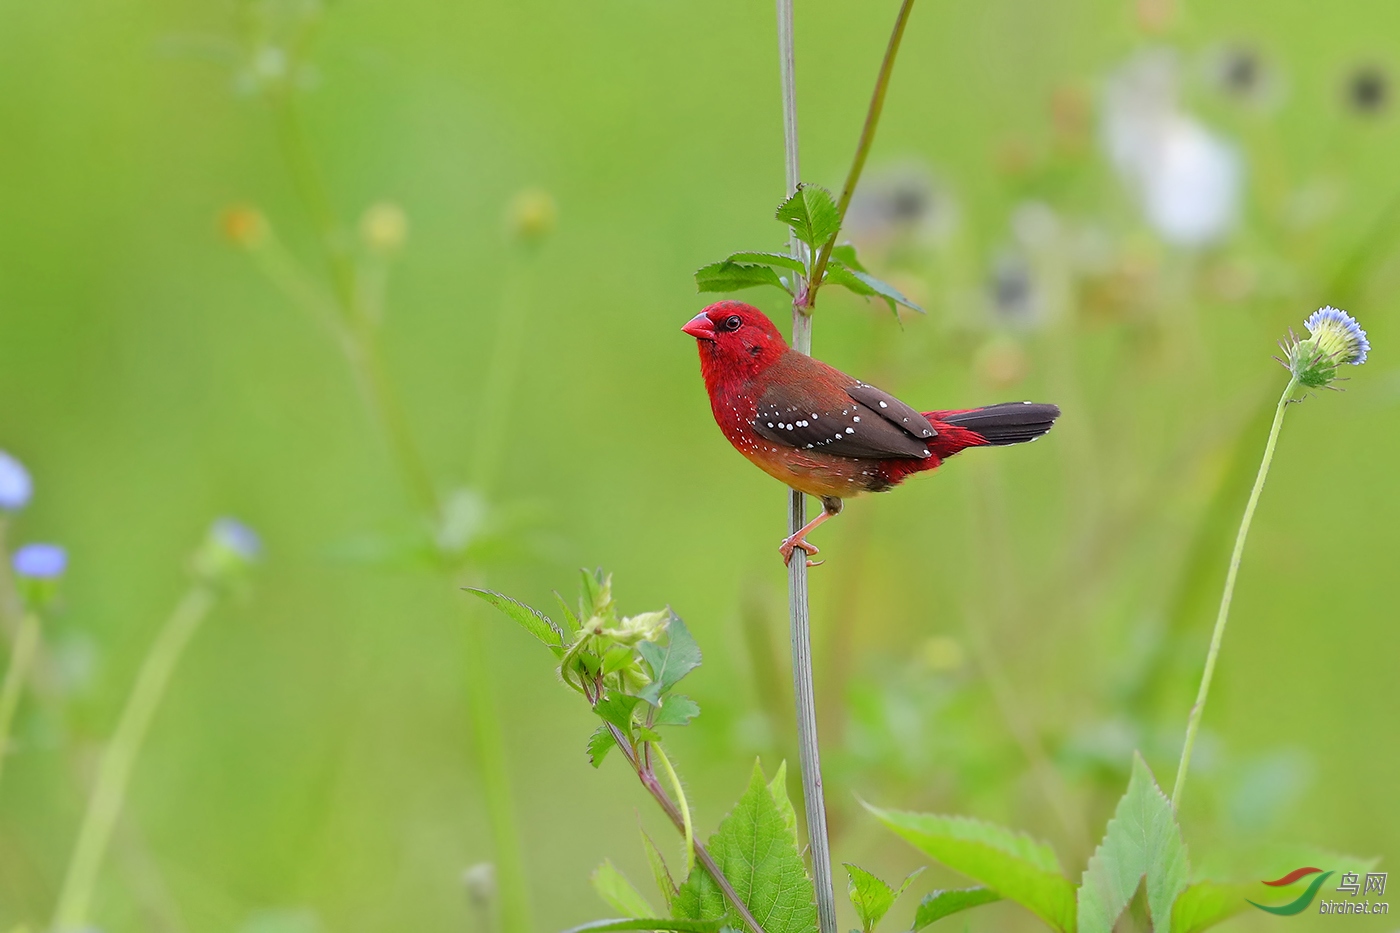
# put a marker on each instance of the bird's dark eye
(733, 322)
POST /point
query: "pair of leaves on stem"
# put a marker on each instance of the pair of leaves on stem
(813, 217)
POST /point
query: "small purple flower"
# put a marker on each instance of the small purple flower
(40, 561)
(237, 537)
(229, 548)
(15, 485)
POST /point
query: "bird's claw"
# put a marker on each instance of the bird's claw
(798, 542)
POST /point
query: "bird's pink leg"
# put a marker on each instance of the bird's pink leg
(799, 540)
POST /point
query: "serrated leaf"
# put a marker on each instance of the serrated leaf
(870, 896)
(940, 904)
(679, 925)
(1142, 840)
(783, 260)
(811, 212)
(1010, 863)
(755, 851)
(669, 663)
(660, 873)
(778, 788)
(726, 276)
(530, 619)
(599, 744)
(619, 893)
(676, 710)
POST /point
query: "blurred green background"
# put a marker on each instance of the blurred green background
(1020, 621)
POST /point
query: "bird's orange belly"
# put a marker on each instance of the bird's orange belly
(817, 474)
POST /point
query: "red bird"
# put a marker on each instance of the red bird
(823, 432)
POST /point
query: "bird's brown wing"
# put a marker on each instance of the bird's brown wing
(810, 406)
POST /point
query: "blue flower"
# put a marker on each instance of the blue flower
(237, 537)
(1338, 334)
(1333, 338)
(15, 485)
(40, 561)
(227, 551)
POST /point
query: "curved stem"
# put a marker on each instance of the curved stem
(867, 139)
(1193, 722)
(114, 771)
(689, 828)
(21, 657)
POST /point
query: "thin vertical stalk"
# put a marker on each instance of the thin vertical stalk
(813, 796)
(16, 673)
(495, 779)
(114, 771)
(360, 342)
(806, 291)
(1193, 722)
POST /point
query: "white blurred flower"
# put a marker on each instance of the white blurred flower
(1186, 179)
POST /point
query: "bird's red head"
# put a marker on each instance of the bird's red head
(735, 340)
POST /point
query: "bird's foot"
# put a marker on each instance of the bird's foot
(799, 542)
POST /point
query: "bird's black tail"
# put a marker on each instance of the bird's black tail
(995, 425)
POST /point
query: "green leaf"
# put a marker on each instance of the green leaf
(659, 872)
(618, 893)
(599, 744)
(845, 253)
(569, 618)
(531, 620)
(870, 896)
(595, 590)
(778, 788)
(617, 708)
(726, 276)
(940, 904)
(862, 283)
(758, 857)
(784, 260)
(676, 710)
(1142, 840)
(1012, 864)
(679, 657)
(812, 213)
(680, 925)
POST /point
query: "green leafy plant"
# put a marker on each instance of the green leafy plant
(815, 221)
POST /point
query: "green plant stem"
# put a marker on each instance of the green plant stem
(16, 673)
(359, 333)
(114, 770)
(495, 778)
(809, 751)
(1193, 722)
(867, 139)
(689, 827)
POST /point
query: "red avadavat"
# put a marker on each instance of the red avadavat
(823, 432)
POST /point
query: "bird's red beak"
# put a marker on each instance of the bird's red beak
(700, 327)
